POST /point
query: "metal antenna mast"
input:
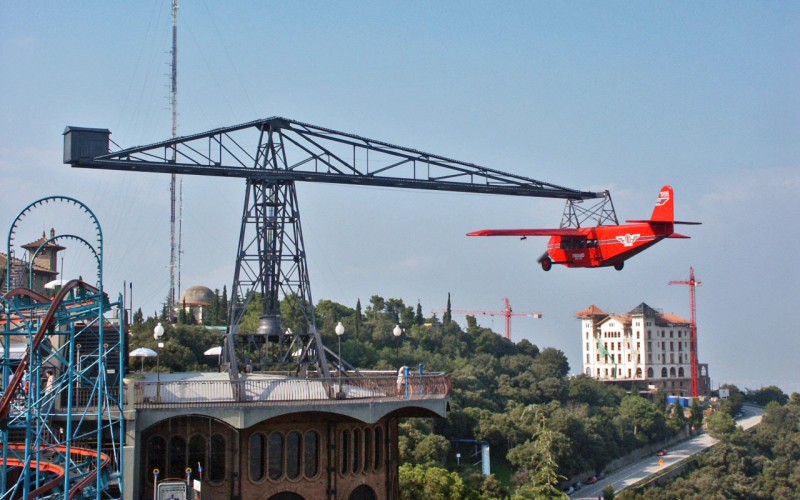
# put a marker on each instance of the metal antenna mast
(174, 104)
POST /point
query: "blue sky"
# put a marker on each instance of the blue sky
(625, 96)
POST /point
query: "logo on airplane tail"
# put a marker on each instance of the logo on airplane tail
(629, 239)
(663, 198)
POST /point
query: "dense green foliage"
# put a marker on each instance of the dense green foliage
(541, 425)
(762, 463)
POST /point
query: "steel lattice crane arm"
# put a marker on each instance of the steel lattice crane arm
(272, 155)
(280, 150)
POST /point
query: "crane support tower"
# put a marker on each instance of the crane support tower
(507, 312)
(273, 154)
(692, 283)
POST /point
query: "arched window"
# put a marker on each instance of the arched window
(638, 373)
(344, 446)
(672, 372)
(356, 451)
(217, 465)
(664, 372)
(275, 455)
(680, 371)
(177, 457)
(588, 371)
(258, 456)
(197, 452)
(650, 372)
(293, 450)
(363, 492)
(156, 452)
(378, 449)
(367, 449)
(311, 454)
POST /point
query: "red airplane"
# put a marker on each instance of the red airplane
(602, 245)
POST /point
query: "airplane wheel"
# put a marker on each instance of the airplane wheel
(619, 265)
(547, 264)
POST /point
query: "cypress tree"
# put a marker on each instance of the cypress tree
(447, 314)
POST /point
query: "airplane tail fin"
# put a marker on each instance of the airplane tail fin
(665, 208)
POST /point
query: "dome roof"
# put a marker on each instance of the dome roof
(196, 296)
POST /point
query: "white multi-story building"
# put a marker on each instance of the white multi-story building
(644, 346)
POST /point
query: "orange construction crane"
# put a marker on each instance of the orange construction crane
(693, 283)
(507, 312)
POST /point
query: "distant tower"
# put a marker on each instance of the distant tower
(174, 102)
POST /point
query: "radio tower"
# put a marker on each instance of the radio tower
(693, 283)
(174, 105)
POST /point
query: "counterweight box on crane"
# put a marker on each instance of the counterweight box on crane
(82, 143)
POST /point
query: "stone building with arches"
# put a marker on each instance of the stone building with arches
(645, 347)
(271, 437)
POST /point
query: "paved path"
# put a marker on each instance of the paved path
(631, 474)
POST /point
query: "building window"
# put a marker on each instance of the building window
(293, 454)
(367, 449)
(275, 454)
(598, 357)
(216, 459)
(650, 372)
(680, 373)
(587, 358)
(311, 454)
(344, 447)
(258, 456)
(378, 448)
(177, 456)
(197, 451)
(672, 372)
(638, 373)
(156, 450)
(664, 372)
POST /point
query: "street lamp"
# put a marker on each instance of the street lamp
(158, 332)
(339, 332)
(397, 332)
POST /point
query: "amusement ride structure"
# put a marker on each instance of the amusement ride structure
(272, 155)
(61, 424)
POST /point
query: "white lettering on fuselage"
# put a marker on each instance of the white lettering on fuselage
(578, 256)
(628, 240)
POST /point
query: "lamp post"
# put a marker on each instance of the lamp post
(339, 332)
(397, 332)
(158, 332)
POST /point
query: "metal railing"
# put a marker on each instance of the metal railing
(272, 391)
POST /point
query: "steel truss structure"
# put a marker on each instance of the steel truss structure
(61, 421)
(272, 155)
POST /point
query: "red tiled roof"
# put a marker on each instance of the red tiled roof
(591, 311)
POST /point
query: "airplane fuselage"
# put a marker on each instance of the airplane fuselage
(605, 245)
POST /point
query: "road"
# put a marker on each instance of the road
(631, 474)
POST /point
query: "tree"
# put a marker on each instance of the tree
(430, 483)
(721, 425)
(536, 457)
(647, 420)
(448, 315)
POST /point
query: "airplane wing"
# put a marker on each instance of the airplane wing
(681, 236)
(529, 232)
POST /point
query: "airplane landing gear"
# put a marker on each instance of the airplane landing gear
(547, 264)
(619, 265)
